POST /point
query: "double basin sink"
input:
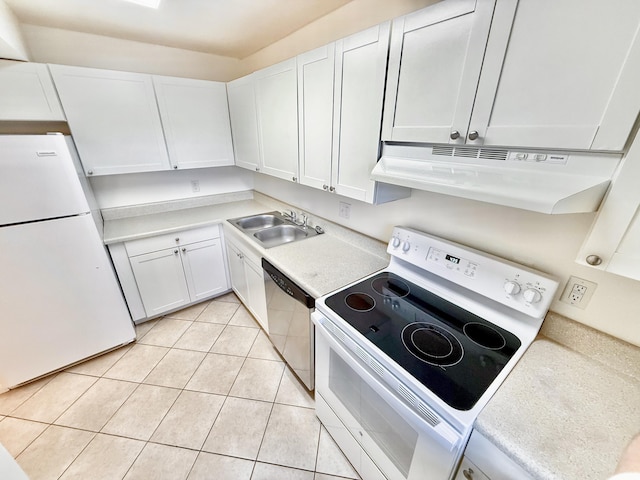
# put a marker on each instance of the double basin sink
(273, 228)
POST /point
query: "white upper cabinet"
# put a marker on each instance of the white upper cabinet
(548, 74)
(340, 97)
(277, 109)
(195, 119)
(244, 122)
(114, 119)
(361, 62)
(613, 244)
(315, 113)
(434, 65)
(27, 93)
(560, 74)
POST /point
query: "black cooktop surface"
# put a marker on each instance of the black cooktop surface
(451, 351)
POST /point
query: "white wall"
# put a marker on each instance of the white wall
(52, 45)
(545, 242)
(137, 188)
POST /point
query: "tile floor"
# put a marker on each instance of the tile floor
(202, 394)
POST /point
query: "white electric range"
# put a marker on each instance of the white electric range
(407, 357)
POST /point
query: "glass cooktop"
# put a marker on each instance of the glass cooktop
(451, 351)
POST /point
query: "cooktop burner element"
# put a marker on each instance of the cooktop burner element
(432, 344)
(451, 351)
(360, 302)
(390, 287)
(484, 335)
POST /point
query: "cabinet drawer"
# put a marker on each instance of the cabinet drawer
(168, 240)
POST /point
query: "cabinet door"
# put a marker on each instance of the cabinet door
(560, 74)
(195, 119)
(615, 235)
(434, 66)
(315, 113)
(468, 471)
(204, 269)
(244, 122)
(114, 119)
(237, 273)
(257, 301)
(27, 93)
(361, 61)
(277, 105)
(161, 281)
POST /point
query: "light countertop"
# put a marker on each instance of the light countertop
(140, 226)
(562, 414)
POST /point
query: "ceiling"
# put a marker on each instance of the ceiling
(232, 28)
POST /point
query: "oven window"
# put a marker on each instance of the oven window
(393, 435)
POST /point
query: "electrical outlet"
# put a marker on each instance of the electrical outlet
(195, 186)
(345, 210)
(578, 292)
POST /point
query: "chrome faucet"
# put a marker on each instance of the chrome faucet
(290, 214)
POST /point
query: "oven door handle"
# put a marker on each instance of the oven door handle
(443, 432)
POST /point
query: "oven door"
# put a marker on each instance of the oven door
(355, 406)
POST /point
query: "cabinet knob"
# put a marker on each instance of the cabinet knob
(325, 187)
(90, 172)
(473, 135)
(175, 167)
(257, 169)
(184, 249)
(295, 179)
(454, 135)
(177, 239)
(332, 189)
(175, 251)
(468, 473)
(594, 260)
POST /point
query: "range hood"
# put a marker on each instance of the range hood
(550, 182)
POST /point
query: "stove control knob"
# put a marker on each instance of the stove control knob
(531, 295)
(512, 288)
(406, 246)
(395, 242)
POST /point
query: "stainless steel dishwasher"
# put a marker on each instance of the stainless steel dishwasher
(289, 310)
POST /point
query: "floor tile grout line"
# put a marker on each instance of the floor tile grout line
(264, 432)
(78, 455)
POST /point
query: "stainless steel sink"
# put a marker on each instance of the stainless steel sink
(273, 228)
(256, 222)
(281, 234)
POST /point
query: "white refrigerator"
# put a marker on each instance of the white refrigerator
(60, 301)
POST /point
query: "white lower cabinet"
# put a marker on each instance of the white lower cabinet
(485, 461)
(469, 471)
(161, 281)
(163, 273)
(247, 279)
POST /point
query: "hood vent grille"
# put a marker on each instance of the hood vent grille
(470, 152)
